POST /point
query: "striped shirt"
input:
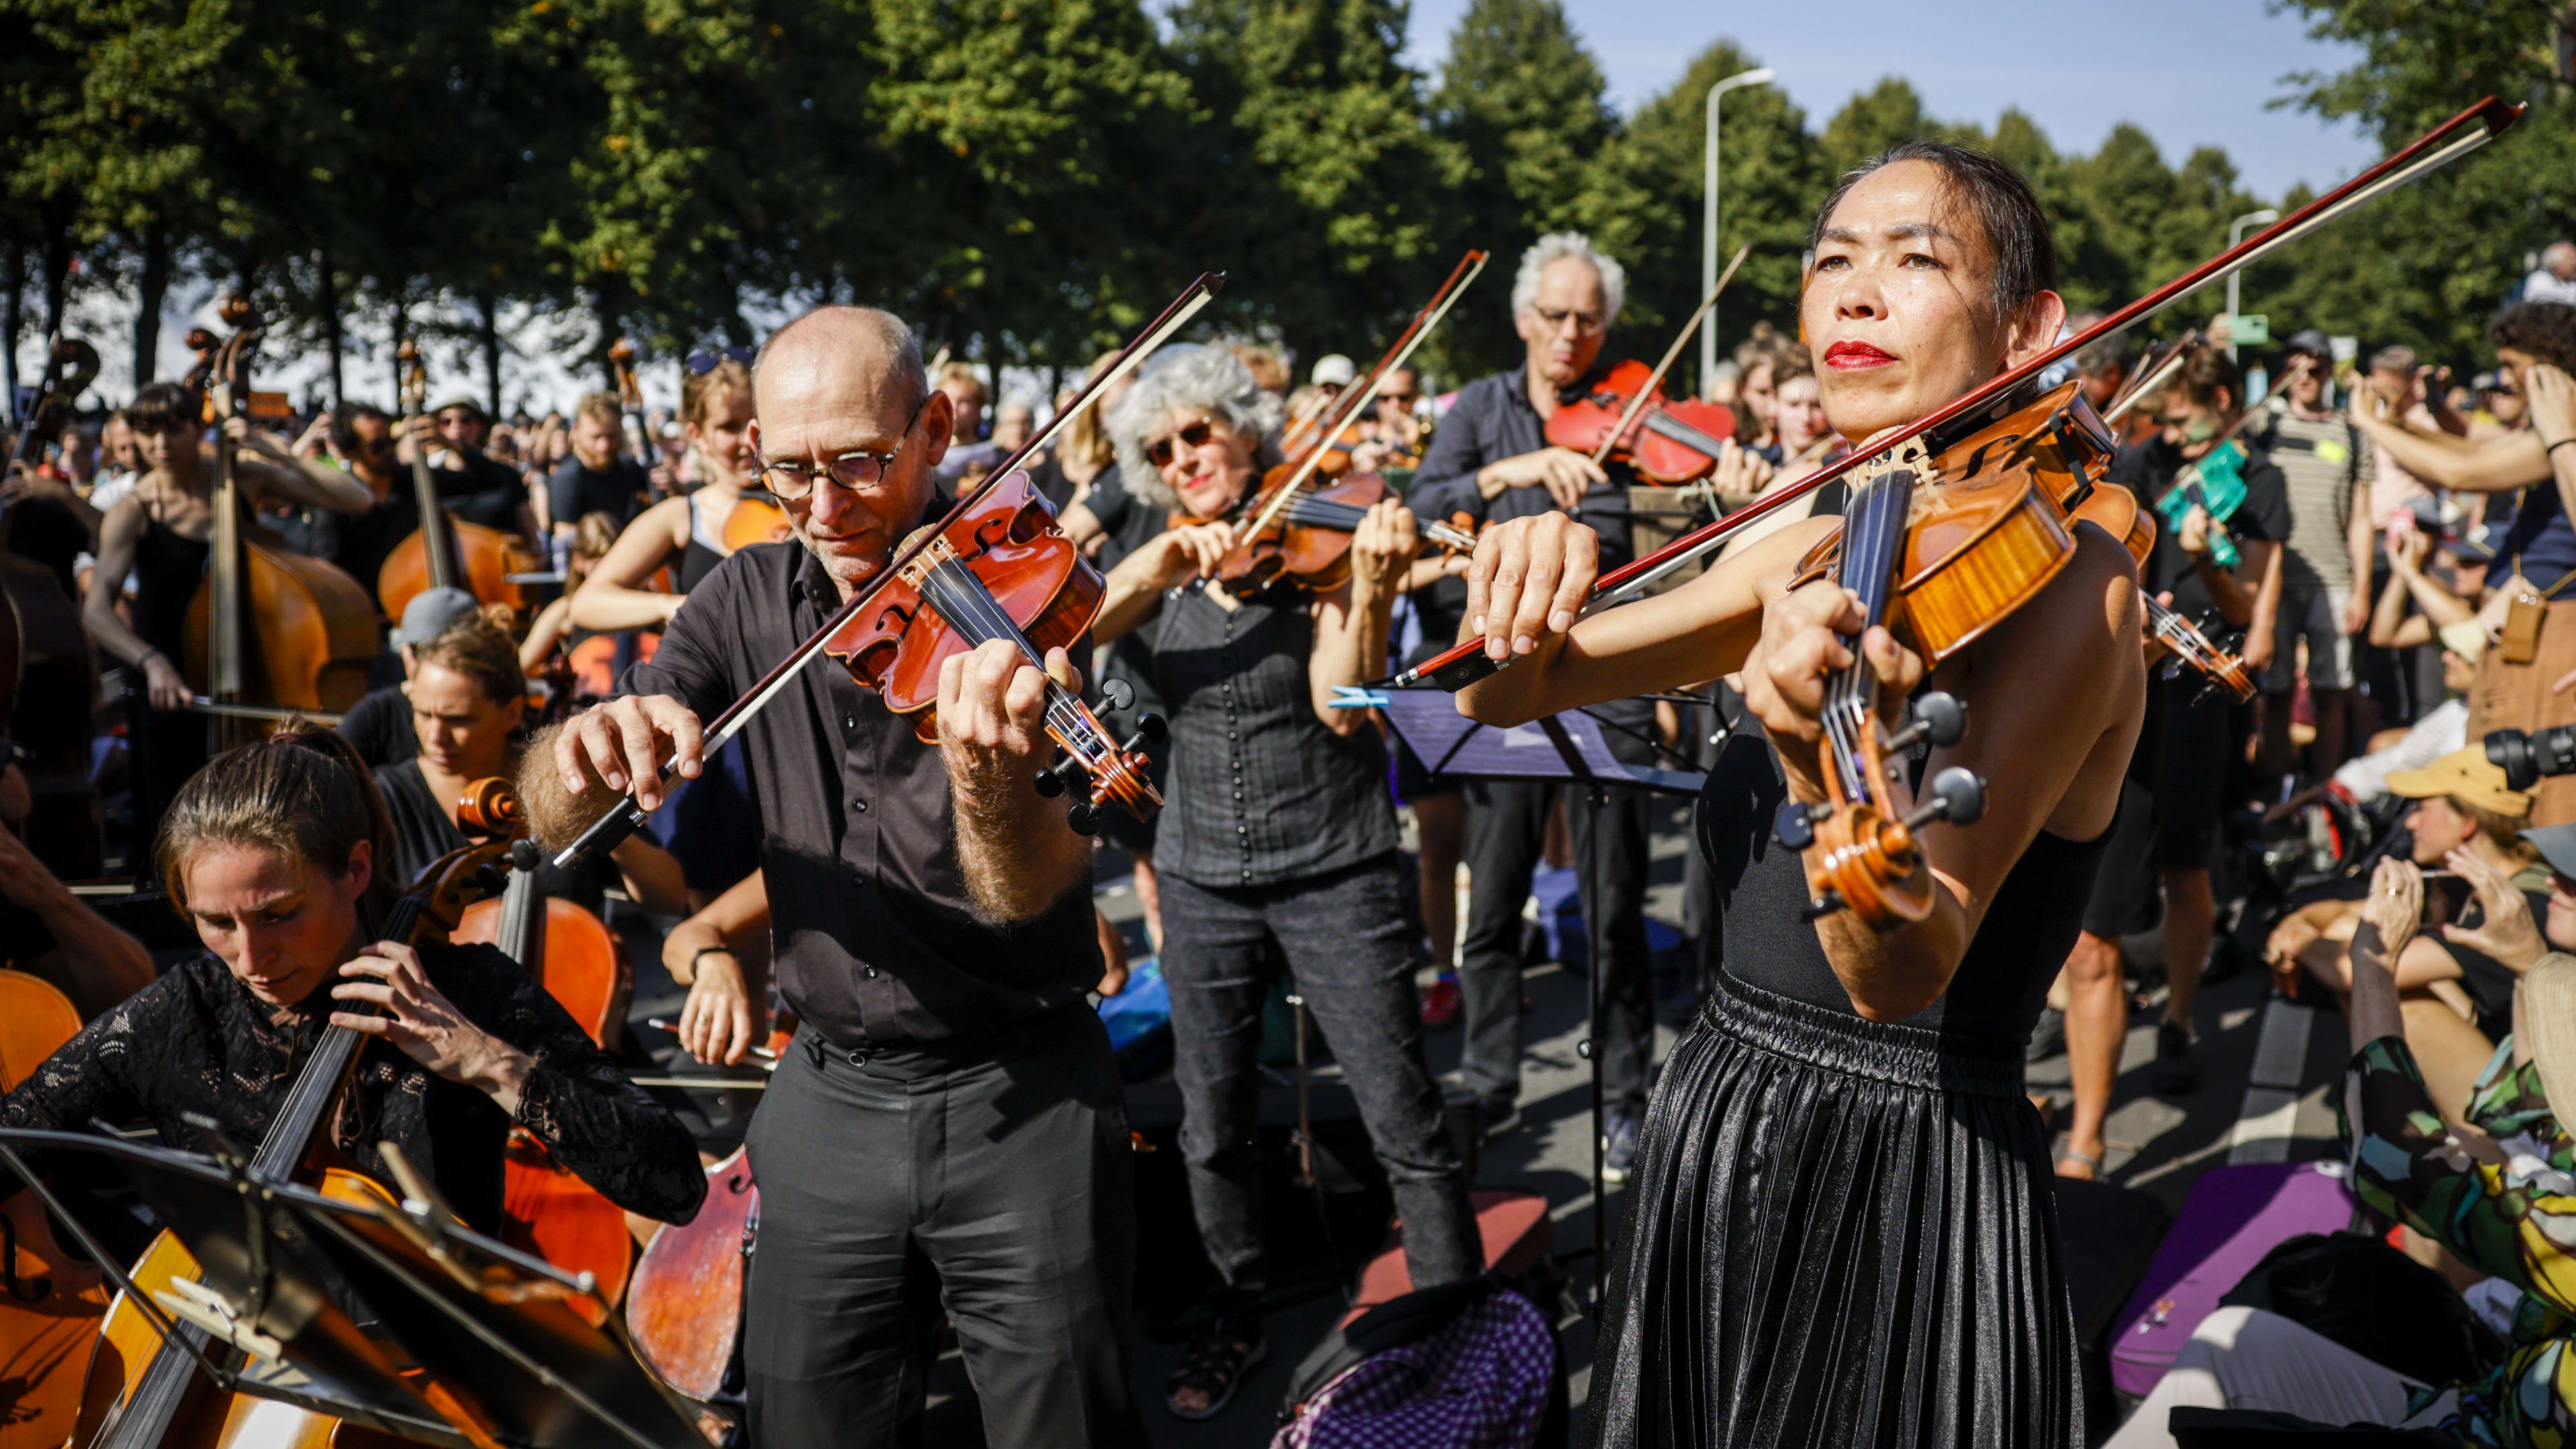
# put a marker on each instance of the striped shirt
(2321, 458)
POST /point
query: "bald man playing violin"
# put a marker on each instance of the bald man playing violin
(1844, 1084)
(950, 1096)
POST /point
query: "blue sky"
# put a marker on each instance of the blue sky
(2190, 72)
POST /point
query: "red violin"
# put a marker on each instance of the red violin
(1667, 441)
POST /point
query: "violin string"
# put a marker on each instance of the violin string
(961, 597)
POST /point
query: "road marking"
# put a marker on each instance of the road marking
(2269, 1117)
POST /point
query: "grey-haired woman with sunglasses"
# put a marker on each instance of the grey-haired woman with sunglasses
(1278, 839)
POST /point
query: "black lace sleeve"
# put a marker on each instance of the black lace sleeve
(101, 1071)
(576, 1101)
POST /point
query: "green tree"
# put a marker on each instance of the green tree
(1522, 100)
(1887, 114)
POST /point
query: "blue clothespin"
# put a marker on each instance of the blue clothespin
(1346, 696)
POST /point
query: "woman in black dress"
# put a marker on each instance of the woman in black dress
(1842, 1232)
(273, 852)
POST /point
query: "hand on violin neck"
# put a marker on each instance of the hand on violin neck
(1528, 580)
(622, 745)
(992, 719)
(1193, 551)
(1382, 549)
(1806, 639)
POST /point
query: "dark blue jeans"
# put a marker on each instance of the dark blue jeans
(1350, 952)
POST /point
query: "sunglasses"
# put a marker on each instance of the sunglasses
(700, 364)
(1159, 451)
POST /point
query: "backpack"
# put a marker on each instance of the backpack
(1468, 1365)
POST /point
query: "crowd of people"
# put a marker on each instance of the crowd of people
(2386, 548)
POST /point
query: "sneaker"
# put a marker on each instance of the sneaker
(1496, 1117)
(2047, 1035)
(1441, 1003)
(1619, 1149)
(2176, 1074)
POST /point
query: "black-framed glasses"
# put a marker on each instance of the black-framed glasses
(699, 364)
(858, 470)
(1159, 451)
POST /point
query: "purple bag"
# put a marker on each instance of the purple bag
(1480, 1381)
(2233, 1217)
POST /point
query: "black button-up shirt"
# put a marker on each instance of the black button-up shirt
(876, 940)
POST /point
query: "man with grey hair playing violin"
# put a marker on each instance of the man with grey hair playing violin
(950, 1099)
(1842, 1229)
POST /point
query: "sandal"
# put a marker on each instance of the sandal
(2068, 1153)
(1215, 1366)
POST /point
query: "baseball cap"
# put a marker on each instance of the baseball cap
(2311, 340)
(2463, 774)
(1333, 370)
(2465, 639)
(433, 612)
(462, 403)
(2557, 846)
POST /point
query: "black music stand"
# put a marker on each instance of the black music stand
(1561, 747)
(334, 1301)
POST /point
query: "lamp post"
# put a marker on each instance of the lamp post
(1708, 249)
(2236, 233)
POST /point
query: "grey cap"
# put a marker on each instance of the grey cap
(433, 612)
(2557, 845)
(2310, 340)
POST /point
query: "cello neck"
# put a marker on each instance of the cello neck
(228, 640)
(523, 910)
(437, 531)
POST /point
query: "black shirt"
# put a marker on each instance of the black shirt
(876, 936)
(197, 1041)
(379, 727)
(2148, 469)
(577, 489)
(1262, 793)
(423, 833)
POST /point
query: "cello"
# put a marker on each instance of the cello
(51, 1302)
(445, 552)
(144, 1392)
(48, 672)
(546, 1209)
(269, 626)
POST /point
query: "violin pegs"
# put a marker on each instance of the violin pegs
(1958, 797)
(1084, 818)
(1048, 785)
(1796, 827)
(1823, 905)
(1938, 717)
(1150, 730)
(1117, 693)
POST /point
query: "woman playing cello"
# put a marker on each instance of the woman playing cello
(1842, 1232)
(272, 853)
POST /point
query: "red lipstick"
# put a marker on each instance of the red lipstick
(1851, 356)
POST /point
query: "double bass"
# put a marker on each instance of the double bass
(269, 626)
(48, 672)
(445, 552)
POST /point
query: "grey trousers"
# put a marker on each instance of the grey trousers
(1001, 1164)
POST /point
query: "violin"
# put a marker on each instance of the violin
(1462, 665)
(756, 518)
(547, 1209)
(48, 673)
(51, 1299)
(144, 1392)
(1002, 570)
(269, 626)
(1012, 545)
(445, 552)
(2114, 509)
(1665, 441)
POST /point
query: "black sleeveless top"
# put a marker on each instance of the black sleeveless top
(2000, 987)
(168, 568)
(702, 556)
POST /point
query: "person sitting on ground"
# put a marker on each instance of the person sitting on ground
(2501, 1199)
(2458, 996)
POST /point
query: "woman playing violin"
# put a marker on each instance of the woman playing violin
(1842, 1232)
(1278, 829)
(273, 852)
(711, 828)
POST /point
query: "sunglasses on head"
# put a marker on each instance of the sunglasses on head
(700, 364)
(1159, 451)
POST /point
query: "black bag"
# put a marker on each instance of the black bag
(2376, 1301)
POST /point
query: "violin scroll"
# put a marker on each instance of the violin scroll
(1871, 856)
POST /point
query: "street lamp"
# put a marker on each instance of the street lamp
(2236, 233)
(1708, 251)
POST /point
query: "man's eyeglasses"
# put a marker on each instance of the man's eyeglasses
(700, 364)
(858, 470)
(1555, 318)
(1159, 451)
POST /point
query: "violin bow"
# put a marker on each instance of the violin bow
(1353, 401)
(621, 821)
(1654, 381)
(1464, 664)
(2146, 382)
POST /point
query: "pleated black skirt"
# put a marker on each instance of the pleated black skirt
(1839, 1235)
